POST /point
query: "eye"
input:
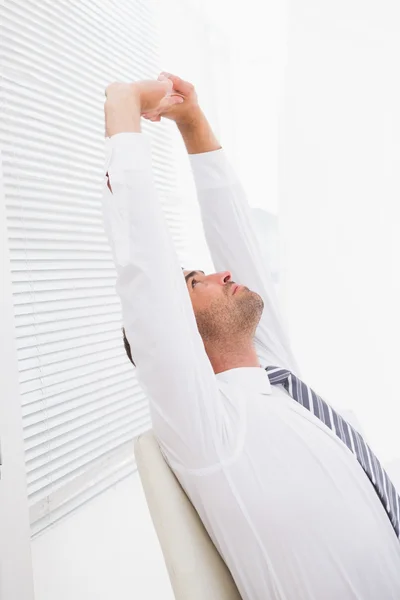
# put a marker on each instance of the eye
(194, 282)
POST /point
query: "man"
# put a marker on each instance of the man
(285, 501)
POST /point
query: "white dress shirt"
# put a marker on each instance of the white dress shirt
(286, 503)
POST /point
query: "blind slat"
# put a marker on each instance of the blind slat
(93, 388)
(62, 405)
(75, 458)
(48, 484)
(62, 432)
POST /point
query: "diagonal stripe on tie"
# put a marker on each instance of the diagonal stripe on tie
(305, 396)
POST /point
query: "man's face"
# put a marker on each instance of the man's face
(221, 306)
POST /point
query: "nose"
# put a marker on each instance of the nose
(223, 277)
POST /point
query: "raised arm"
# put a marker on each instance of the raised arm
(158, 318)
(227, 222)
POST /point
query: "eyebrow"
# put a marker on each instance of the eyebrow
(191, 274)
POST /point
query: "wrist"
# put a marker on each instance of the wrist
(122, 113)
(191, 120)
(197, 134)
(135, 93)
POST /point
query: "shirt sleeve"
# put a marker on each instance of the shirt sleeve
(172, 365)
(233, 245)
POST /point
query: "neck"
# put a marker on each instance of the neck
(238, 354)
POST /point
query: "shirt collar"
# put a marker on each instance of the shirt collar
(253, 379)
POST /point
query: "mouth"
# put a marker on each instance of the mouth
(235, 288)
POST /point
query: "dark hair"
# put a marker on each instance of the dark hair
(127, 347)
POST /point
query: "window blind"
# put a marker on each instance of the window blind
(82, 405)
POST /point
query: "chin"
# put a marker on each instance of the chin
(250, 304)
(254, 295)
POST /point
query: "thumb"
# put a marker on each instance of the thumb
(166, 83)
(180, 85)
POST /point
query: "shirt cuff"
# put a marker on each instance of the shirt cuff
(212, 170)
(127, 151)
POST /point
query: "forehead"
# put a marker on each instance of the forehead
(191, 271)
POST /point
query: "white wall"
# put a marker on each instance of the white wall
(340, 211)
(257, 34)
(107, 549)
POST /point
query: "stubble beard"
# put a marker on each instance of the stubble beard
(230, 318)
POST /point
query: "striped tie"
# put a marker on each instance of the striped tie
(305, 396)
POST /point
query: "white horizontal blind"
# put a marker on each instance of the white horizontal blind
(81, 403)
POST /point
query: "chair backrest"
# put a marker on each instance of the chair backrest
(195, 568)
